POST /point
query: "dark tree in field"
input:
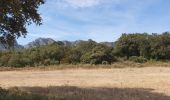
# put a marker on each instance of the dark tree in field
(15, 15)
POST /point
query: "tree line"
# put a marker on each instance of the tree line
(138, 47)
(154, 46)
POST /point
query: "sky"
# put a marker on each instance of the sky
(100, 20)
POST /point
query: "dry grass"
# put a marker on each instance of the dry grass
(123, 64)
(75, 93)
(156, 78)
(149, 81)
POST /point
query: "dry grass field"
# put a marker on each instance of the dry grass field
(148, 83)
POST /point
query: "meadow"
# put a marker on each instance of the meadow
(119, 81)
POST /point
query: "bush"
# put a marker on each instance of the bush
(4, 60)
(105, 62)
(15, 61)
(47, 62)
(54, 62)
(85, 58)
(93, 62)
(138, 59)
(27, 62)
(50, 62)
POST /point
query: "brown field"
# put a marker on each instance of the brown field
(151, 81)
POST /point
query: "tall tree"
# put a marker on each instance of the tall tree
(15, 15)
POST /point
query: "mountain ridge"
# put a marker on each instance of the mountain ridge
(47, 41)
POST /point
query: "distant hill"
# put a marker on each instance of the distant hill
(48, 41)
(40, 42)
(67, 43)
(110, 44)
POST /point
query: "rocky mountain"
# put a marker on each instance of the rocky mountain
(40, 42)
(47, 41)
(110, 44)
(67, 43)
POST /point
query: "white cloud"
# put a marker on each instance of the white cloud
(88, 3)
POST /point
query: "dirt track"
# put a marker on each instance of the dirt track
(154, 78)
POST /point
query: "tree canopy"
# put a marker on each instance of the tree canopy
(15, 15)
(136, 47)
(150, 46)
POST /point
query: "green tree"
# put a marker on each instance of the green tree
(5, 58)
(15, 60)
(133, 45)
(160, 46)
(86, 58)
(86, 46)
(154, 46)
(15, 15)
(101, 53)
(55, 52)
(74, 56)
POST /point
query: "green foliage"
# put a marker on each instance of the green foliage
(152, 46)
(46, 62)
(15, 15)
(83, 52)
(134, 47)
(15, 62)
(26, 61)
(74, 56)
(4, 59)
(101, 53)
(85, 59)
(54, 62)
(138, 59)
(105, 62)
(160, 46)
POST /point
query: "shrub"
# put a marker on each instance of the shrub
(4, 60)
(138, 59)
(54, 62)
(27, 62)
(47, 62)
(93, 62)
(85, 59)
(105, 62)
(15, 61)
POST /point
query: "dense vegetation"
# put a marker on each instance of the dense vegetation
(143, 45)
(58, 53)
(135, 47)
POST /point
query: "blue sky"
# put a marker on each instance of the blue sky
(100, 20)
